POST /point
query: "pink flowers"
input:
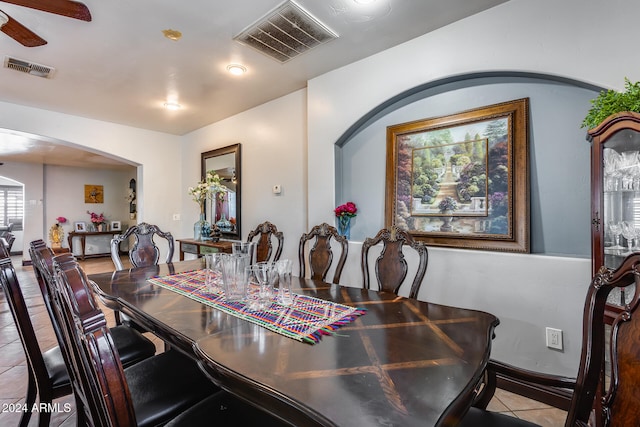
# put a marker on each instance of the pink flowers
(61, 220)
(95, 218)
(348, 209)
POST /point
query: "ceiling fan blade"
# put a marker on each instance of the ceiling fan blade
(72, 9)
(20, 33)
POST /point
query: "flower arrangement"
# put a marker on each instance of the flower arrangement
(349, 209)
(211, 184)
(96, 219)
(61, 220)
(448, 204)
(344, 213)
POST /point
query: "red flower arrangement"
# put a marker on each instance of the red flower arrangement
(61, 220)
(95, 218)
(348, 209)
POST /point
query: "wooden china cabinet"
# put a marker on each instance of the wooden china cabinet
(615, 196)
(615, 212)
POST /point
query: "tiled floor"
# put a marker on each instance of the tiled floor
(13, 377)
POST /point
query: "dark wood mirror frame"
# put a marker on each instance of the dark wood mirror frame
(229, 171)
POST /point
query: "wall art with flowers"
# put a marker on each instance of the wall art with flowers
(462, 180)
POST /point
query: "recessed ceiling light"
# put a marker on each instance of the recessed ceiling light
(236, 69)
(364, 1)
(173, 106)
(174, 35)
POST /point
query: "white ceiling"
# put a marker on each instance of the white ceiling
(120, 68)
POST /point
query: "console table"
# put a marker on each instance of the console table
(202, 247)
(83, 240)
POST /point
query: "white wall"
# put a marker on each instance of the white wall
(64, 196)
(272, 138)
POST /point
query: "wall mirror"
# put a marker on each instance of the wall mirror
(224, 207)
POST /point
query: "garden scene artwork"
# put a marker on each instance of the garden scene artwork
(461, 180)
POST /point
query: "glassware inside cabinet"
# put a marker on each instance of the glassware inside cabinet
(621, 216)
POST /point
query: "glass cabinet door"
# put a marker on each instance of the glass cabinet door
(616, 196)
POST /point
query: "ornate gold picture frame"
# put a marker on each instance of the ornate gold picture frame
(462, 180)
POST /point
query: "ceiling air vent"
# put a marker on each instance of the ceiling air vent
(28, 67)
(286, 32)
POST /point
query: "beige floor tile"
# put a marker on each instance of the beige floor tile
(516, 402)
(550, 417)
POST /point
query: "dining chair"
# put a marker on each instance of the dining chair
(620, 399)
(316, 251)
(144, 251)
(391, 266)
(132, 345)
(47, 376)
(266, 234)
(168, 387)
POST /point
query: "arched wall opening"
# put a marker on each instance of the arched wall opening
(54, 173)
(559, 155)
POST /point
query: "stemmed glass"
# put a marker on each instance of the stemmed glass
(629, 233)
(612, 163)
(616, 230)
(627, 167)
(636, 227)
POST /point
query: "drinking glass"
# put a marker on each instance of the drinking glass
(285, 296)
(629, 233)
(612, 161)
(213, 271)
(233, 276)
(247, 248)
(616, 230)
(259, 280)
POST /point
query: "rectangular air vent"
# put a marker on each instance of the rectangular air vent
(28, 67)
(286, 32)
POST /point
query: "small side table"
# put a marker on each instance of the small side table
(202, 247)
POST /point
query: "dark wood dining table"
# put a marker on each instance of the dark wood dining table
(404, 363)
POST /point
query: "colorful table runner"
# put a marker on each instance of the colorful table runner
(306, 320)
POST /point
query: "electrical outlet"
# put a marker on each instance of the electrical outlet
(277, 189)
(176, 217)
(554, 338)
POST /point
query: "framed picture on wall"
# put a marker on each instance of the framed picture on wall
(116, 226)
(80, 227)
(93, 193)
(462, 180)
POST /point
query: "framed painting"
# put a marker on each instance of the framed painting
(462, 180)
(94, 194)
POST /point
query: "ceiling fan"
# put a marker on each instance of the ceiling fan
(28, 38)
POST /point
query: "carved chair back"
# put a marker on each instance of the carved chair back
(42, 261)
(40, 380)
(621, 400)
(265, 234)
(391, 267)
(315, 249)
(144, 252)
(101, 387)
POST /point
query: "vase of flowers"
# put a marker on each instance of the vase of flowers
(203, 191)
(56, 232)
(446, 207)
(344, 213)
(97, 220)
